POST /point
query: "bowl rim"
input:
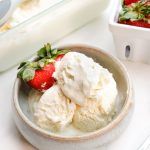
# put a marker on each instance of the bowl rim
(94, 134)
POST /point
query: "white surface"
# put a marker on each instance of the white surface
(97, 34)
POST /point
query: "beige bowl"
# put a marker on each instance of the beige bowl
(45, 140)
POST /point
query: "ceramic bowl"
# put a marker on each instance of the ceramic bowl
(45, 140)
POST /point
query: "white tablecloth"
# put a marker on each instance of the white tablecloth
(97, 34)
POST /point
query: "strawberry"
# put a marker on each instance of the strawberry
(138, 23)
(128, 2)
(136, 14)
(43, 78)
(38, 74)
(59, 57)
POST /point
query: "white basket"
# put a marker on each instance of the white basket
(132, 43)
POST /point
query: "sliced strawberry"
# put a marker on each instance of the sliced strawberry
(128, 2)
(43, 79)
(139, 23)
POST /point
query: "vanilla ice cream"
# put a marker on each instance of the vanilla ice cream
(82, 79)
(84, 95)
(54, 111)
(27, 9)
(90, 86)
(90, 117)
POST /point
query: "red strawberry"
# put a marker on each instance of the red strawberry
(59, 57)
(138, 23)
(136, 14)
(128, 2)
(43, 79)
(38, 74)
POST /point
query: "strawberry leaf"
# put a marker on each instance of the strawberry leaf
(135, 11)
(54, 51)
(129, 15)
(23, 64)
(28, 74)
(19, 74)
(34, 65)
(41, 64)
(42, 52)
(50, 61)
(45, 51)
(62, 51)
(48, 49)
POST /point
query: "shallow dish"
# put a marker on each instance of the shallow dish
(45, 140)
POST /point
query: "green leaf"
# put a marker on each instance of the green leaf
(50, 61)
(19, 74)
(48, 49)
(34, 65)
(54, 51)
(42, 52)
(41, 63)
(140, 16)
(136, 11)
(28, 74)
(129, 15)
(22, 64)
(62, 51)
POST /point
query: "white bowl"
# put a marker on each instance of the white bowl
(46, 140)
(132, 43)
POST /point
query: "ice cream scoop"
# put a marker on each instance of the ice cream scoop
(90, 117)
(54, 111)
(81, 79)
